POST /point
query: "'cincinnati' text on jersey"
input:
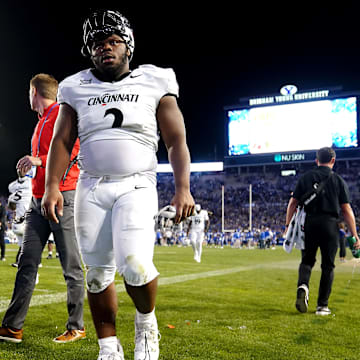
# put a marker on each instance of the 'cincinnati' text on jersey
(109, 98)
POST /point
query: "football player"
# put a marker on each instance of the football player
(198, 225)
(116, 113)
(19, 201)
(236, 238)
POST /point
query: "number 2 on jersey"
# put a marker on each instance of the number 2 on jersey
(118, 117)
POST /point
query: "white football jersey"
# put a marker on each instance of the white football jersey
(20, 194)
(198, 221)
(117, 124)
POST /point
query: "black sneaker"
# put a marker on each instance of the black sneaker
(302, 298)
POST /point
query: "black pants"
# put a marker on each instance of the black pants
(320, 232)
(36, 234)
(2, 242)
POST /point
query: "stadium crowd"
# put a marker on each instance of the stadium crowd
(270, 196)
(270, 192)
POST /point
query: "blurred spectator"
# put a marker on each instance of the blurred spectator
(2, 230)
(342, 241)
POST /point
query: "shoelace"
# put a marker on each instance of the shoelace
(147, 348)
(70, 333)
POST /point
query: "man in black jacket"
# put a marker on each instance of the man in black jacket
(321, 227)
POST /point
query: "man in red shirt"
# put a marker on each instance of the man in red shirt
(43, 90)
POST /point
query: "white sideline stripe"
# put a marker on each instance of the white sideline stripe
(38, 300)
(42, 290)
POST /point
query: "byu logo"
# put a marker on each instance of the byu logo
(288, 90)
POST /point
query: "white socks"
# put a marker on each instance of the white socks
(108, 345)
(143, 318)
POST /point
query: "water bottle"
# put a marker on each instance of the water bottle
(351, 240)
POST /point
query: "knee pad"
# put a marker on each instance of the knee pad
(138, 272)
(99, 278)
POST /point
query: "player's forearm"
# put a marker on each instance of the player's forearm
(179, 158)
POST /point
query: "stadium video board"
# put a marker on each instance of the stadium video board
(290, 128)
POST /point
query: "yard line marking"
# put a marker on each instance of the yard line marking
(38, 300)
(52, 266)
(182, 278)
(187, 277)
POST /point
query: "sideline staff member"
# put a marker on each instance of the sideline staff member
(321, 227)
(42, 96)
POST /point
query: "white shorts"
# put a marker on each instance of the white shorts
(114, 222)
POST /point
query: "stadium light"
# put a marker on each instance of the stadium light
(194, 167)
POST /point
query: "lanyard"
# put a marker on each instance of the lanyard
(42, 127)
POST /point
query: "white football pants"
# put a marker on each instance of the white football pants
(114, 223)
(196, 240)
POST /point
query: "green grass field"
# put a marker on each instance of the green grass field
(236, 304)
